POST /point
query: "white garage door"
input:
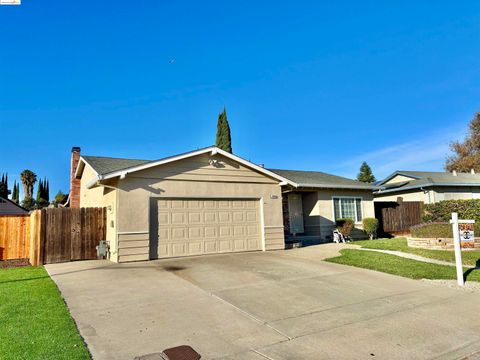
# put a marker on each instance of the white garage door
(189, 227)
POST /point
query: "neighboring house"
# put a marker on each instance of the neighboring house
(209, 201)
(428, 187)
(9, 207)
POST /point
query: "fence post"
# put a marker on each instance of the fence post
(33, 239)
(36, 228)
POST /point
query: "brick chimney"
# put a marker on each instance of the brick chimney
(74, 182)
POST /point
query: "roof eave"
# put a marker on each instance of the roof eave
(336, 186)
(380, 191)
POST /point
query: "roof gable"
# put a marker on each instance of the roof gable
(107, 168)
(9, 207)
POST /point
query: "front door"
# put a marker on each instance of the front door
(295, 211)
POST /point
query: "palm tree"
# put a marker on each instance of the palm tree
(28, 181)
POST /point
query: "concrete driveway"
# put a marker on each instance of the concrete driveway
(273, 305)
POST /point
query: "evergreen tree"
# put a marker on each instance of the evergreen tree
(18, 193)
(467, 153)
(47, 191)
(4, 186)
(365, 175)
(223, 139)
(15, 194)
(39, 190)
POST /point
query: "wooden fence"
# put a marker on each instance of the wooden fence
(14, 237)
(53, 235)
(396, 218)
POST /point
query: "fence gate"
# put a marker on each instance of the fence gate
(396, 217)
(72, 234)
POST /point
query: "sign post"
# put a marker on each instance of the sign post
(463, 238)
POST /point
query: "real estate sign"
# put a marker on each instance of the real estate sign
(467, 235)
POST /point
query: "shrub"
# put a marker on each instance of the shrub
(442, 211)
(370, 226)
(345, 226)
(436, 230)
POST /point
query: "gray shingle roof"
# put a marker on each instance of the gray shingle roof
(321, 179)
(104, 165)
(312, 179)
(430, 178)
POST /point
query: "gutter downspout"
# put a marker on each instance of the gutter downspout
(427, 192)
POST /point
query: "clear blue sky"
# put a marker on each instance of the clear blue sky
(315, 85)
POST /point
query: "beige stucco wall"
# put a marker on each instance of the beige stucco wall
(456, 193)
(432, 195)
(194, 177)
(101, 197)
(325, 209)
(413, 195)
(318, 215)
(398, 179)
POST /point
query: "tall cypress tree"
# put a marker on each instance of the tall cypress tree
(4, 186)
(14, 192)
(17, 192)
(39, 190)
(223, 139)
(47, 190)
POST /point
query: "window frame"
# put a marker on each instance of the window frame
(354, 205)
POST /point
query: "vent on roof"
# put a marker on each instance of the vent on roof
(472, 171)
(454, 172)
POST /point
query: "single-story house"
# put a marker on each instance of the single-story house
(210, 201)
(428, 186)
(9, 207)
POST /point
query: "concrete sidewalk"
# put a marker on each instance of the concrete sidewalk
(273, 305)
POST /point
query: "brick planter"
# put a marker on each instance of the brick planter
(436, 243)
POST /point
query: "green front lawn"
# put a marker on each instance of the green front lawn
(469, 258)
(396, 265)
(34, 320)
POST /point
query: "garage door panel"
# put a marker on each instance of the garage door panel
(238, 216)
(177, 204)
(163, 218)
(224, 216)
(238, 230)
(195, 218)
(195, 248)
(225, 246)
(163, 250)
(252, 243)
(179, 234)
(240, 245)
(196, 232)
(250, 204)
(210, 217)
(224, 231)
(251, 216)
(210, 246)
(252, 230)
(210, 232)
(207, 226)
(179, 249)
(195, 204)
(163, 234)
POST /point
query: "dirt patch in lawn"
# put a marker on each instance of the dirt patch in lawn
(7, 264)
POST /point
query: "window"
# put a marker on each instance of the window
(347, 207)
